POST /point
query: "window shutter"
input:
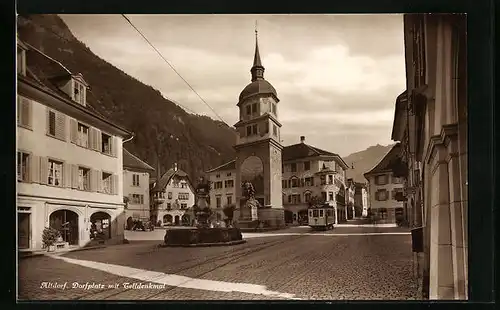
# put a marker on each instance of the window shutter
(73, 128)
(99, 181)
(98, 139)
(113, 146)
(67, 175)
(92, 141)
(61, 126)
(114, 179)
(34, 166)
(44, 170)
(74, 176)
(93, 185)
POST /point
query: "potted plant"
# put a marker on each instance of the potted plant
(49, 238)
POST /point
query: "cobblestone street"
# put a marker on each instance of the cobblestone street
(296, 263)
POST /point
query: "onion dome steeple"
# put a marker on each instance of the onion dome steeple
(257, 68)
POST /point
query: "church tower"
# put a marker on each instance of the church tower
(258, 147)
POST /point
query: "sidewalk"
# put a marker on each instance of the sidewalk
(26, 254)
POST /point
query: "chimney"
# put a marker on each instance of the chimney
(175, 166)
(302, 139)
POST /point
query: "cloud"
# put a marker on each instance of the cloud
(337, 76)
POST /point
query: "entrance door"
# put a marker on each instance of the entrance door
(23, 230)
(66, 222)
(176, 220)
(101, 222)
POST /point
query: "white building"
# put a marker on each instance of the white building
(385, 190)
(172, 198)
(223, 190)
(69, 158)
(135, 187)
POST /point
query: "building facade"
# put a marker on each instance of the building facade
(360, 199)
(172, 198)
(351, 189)
(223, 190)
(386, 190)
(136, 174)
(431, 124)
(69, 158)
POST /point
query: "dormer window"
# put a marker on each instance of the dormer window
(21, 61)
(79, 92)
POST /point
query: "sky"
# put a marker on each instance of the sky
(337, 76)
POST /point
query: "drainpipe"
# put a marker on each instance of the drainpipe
(129, 139)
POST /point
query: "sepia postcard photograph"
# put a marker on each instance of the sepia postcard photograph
(242, 157)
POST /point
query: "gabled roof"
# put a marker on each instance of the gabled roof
(227, 166)
(303, 150)
(384, 164)
(133, 162)
(167, 176)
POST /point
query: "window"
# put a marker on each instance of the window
(228, 174)
(309, 181)
(330, 196)
(83, 179)
(228, 183)
(307, 165)
(169, 195)
(381, 180)
(217, 175)
(330, 179)
(396, 180)
(183, 196)
(295, 199)
(106, 143)
(23, 112)
(320, 213)
(249, 109)
(254, 108)
(79, 92)
(383, 213)
(315, 213)
(83, 135)
(135, 179)
(22, 166)
(322, 180)
(273, 108)
(52, 123)
(184, 205)
(169, 206)
(295, 182)
(218, 202)
(381, 195)
(106, 183)
(137, 199)
(275, 130)
(183, 185)
(284, 183)
(249, 130)
(323, 196)
(55, 173)
(229, 200)
(294, 167)
(395, 192)
(255, 130)
(307, 197)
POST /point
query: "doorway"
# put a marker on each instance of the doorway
(101, 224)
(23, 230)
(66, 222)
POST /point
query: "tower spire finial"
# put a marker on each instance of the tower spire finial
(257, 68)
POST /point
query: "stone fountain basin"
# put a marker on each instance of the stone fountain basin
(192, 236)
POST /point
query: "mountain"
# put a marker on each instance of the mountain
(365, 160)
(157, 122)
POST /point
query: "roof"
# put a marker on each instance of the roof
(384, 164)
(47, 74)
(303, 150)
(227, 166)
(166, 177)
(133, 162)
(258, 87)
(400, 100)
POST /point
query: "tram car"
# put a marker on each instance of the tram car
(321, 217)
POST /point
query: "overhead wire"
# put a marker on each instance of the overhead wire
(172, 67)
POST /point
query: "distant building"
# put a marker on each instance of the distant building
(222, 180)
(360, 199)
(386, 191)
(69, 157)
(307, 171)
(173, 198)
(136, 174)
(351, 189)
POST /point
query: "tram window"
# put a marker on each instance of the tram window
(320, 213)
(310, 213)
(315, 213)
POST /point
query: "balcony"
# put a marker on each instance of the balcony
(158, 199)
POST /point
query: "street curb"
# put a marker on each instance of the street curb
(22, 256)
(201, 244)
